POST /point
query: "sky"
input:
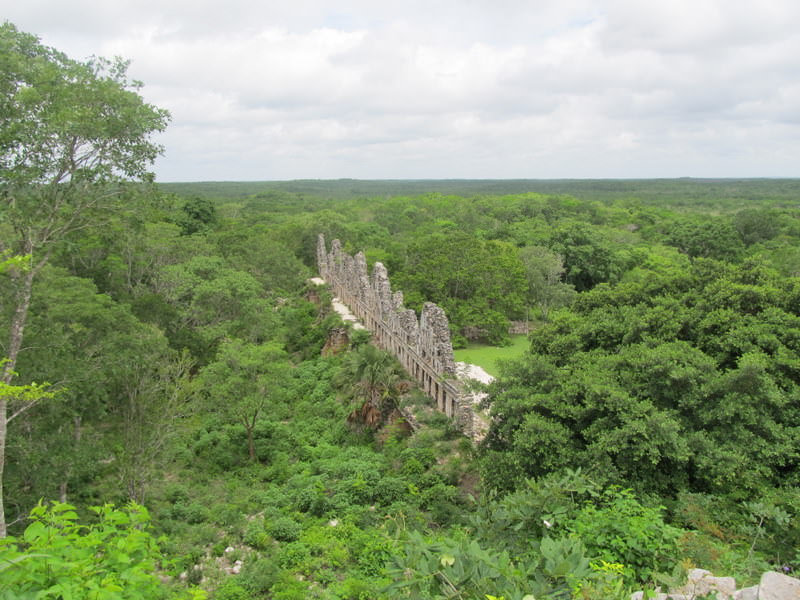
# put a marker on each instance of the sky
(468, 89)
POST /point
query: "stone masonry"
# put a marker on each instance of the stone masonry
(421, 345)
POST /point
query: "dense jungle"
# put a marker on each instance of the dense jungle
(175, 423)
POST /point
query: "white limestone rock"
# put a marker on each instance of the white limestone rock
(748, 593)
(777, 586)
(702, 583)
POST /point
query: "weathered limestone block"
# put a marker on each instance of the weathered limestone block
(350, 281)
(382, 289)
(434, 339)
(748, 593)
(363, 277)
(335, 262)
(777, 586)
(702, 583)
(409, 326)
(322, 256)
(397, 301)
(465, 414)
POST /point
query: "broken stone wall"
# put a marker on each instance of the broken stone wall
(422, 345)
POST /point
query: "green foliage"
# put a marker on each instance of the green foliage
(54, 105)
(56, 557)
(618, 529)
(661, 383)
(243, 382)
(479, 284)
(199, 215)
(258, 576)
(284, 529)
(715, 239)
(214, 301)
(230, 589)
(256, 251)
(460, 568)
(25, 394)
(373, 378)
(544, 271)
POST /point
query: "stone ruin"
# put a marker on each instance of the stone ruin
(702, 584)
(421, 345)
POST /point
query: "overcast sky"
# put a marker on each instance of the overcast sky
(290, 89)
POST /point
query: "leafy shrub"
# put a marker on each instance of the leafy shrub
(113, 558)
(227, 515)
(371, 551)
(231, 590)
(414, 458)
(356, 588)
(201, 535)
(219, 449)
(196, 513)
(256, 536)
(294, 555)
(289, 588)
(620, 530)
(312, 499)
(176, 493)
(456, 568)
(284, 529)
(389, 489)
(258, 576)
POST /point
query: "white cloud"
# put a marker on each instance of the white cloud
(509, 88)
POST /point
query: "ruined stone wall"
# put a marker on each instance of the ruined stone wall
(421, 345)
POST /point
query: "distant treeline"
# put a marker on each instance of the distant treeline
(729, 194)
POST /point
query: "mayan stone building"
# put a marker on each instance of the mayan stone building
(421, 345)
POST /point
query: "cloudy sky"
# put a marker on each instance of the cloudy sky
(268, 90)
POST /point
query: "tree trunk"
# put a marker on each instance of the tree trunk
(18, 324)
(3, 427)
(14, 345)
(250, 445)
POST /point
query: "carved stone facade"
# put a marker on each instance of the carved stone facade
(421, 345)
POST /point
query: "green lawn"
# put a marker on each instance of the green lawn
(487, 356)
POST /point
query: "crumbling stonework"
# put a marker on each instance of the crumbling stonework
(702, 584)
(421, 345)
(337, 342)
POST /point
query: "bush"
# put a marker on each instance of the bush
(294, 555)
(284, 529)
(115, 557)
(221, 448)
(231, 590)
(414, 458)
(620, 530)
(197, 513)
(258, 576)
(256, 536)
(227, 515)
(354, 588)
(389, 489)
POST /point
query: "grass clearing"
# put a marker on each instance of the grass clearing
(487, 356)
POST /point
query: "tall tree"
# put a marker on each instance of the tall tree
(71, 134)
(544, 270)
(242, 383)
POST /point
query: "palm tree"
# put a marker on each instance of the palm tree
(373, 377)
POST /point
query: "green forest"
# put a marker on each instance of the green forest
(174, 422)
